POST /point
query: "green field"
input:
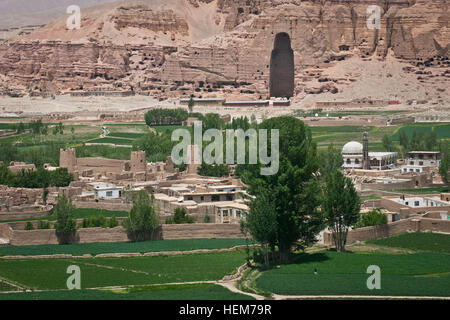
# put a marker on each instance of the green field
(122, 247)
(6, 287)
(78, 213)
(101, 272)
(110, 152)
(421, 274)
(340, 135)
(126, 135)
(163, 292)
(300, 113)
(423, 241)
(436, 190)
(118, 141)
(442, 130)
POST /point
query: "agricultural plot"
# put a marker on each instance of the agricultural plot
(340, 135)
(436, 190)
(50, 274)
(5, 287)
(116, 141)
(422, 241)
(105, 151)
(420, 274)
(442, 130)
(126, 135)
(163, 292)
(79, 213)
(123, 247)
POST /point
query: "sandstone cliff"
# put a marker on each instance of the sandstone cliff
(223, 47)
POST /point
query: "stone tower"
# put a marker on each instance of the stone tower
(193, 161)
(68, 159)
(138, 161)
(366, 159)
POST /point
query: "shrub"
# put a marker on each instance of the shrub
(207, 219)
(44, 224)
(99, 221)
(371, 218)
(29, 226)
(182, 217)
(113, 222)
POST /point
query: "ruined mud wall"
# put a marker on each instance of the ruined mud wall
(383, 231)
(118, 234)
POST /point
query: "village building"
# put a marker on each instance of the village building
(107, 191)
(357, 156)
(353, 156)
(420, 161)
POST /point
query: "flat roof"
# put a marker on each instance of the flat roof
(249, 102)
(200, 100)
(434, 152)
(225, 186)
(382, 154)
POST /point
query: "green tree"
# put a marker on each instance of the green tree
(20, 127)
(213, 170)
(158, 147)
(112, 223)
(9, 152)
(143, 220)
(372, 218)
(330, 160)
(29, 226)
(165, 116)
(181, 216)
(295, 192)
(387, 142)
(444, 166)
(212, 121)
(44, 224)
(341, 206)
(262, 223)
(430, 141)
(404, 140)
(191, 104)
(45, 195)
(65, 223)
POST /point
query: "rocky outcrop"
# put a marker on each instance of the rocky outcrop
(220, 47)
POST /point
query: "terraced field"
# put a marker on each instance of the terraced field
(122, 247)
(50, 274)
(422, 241)
(164, 292)
(420, 274)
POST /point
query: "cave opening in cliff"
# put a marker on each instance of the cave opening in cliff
(282, 67)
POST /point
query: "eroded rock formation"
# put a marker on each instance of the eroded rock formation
(222, 47)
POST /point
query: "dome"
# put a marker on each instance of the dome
(352, 147)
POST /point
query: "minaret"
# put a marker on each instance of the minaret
(366, 160)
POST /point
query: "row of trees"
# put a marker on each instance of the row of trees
(418, 141)
(165, 116)
(39, 178)
(48, 153)
(142, 224)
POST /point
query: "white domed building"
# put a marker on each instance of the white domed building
(357, 156)
(352, 153)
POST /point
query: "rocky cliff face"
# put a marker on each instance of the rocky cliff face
(222, 47)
